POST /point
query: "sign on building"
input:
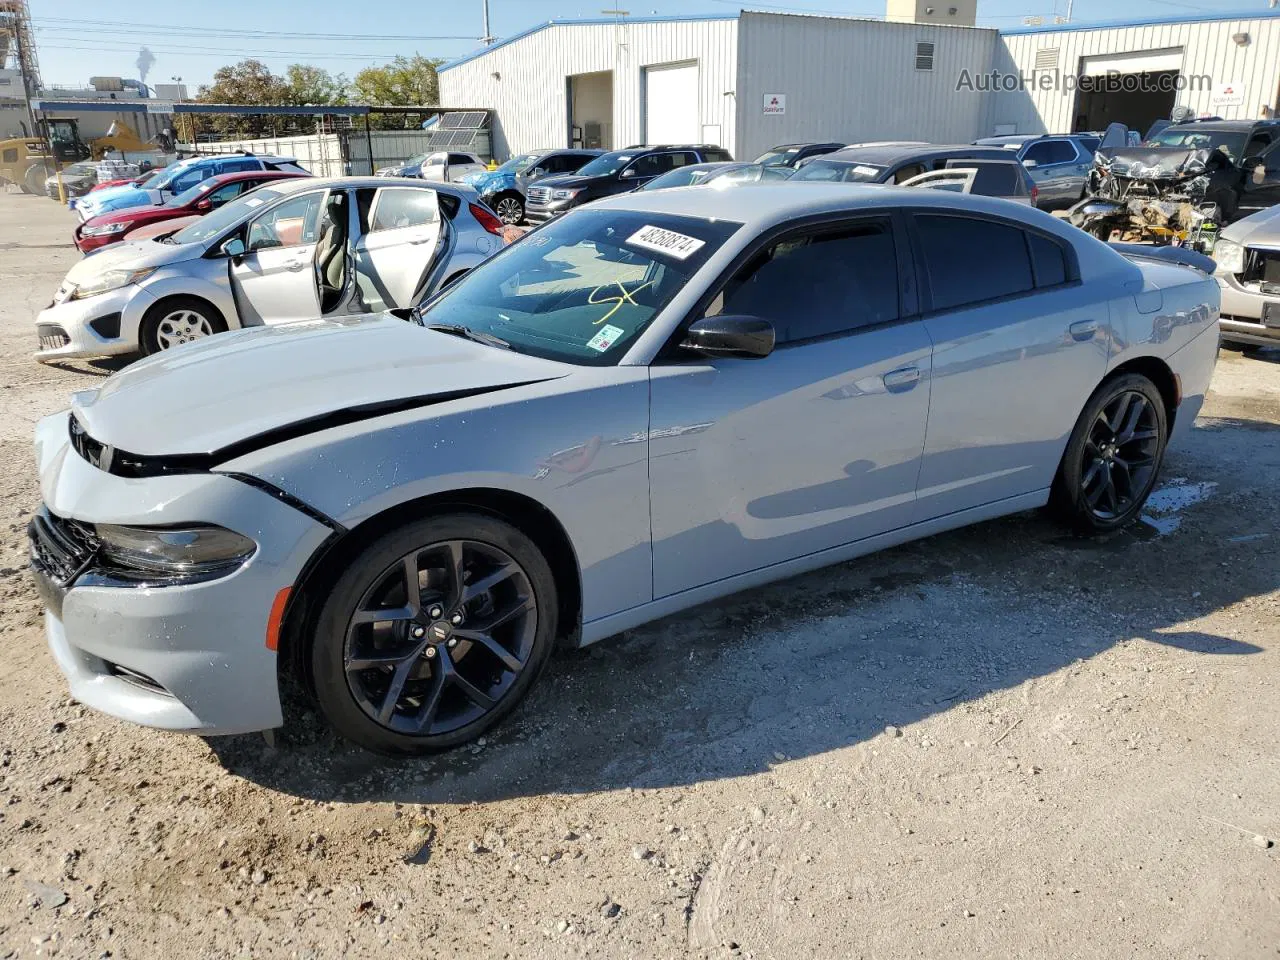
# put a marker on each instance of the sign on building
(775, 103)
(1227, 95)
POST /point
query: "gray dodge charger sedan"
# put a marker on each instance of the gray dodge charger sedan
(652, 402)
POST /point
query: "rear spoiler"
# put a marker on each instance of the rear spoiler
(1179, 255)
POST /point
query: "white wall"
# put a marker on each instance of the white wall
(855, 80)
(529, 94)
(1207, 48)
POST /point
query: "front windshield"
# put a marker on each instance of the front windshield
(606, 164)
(679, 177)
(224, 217)
(169, 174)
(581, 289)
(778, 158)
(839, 171)
(151, 181)
(1230, 141)
(518, 163)
(416, 159)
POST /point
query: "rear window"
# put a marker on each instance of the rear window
(1049, 259)
(839, 171)
(998, 180)
(968, 260)
(716, 155)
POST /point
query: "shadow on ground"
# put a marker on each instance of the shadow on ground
(811, 664)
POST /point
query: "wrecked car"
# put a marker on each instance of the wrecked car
(1177, 187)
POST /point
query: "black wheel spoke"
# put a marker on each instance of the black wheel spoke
(395, 689)
(456, 570)
(412, 584)
(1092, 473)
(431, 706)
(1118, 412)
(1139, 436)
(1122, 469)
(384, 615)
(388, 659)
(488, 582)
(470, 690)
(504, 617)
(1135, 411)
(509, 659)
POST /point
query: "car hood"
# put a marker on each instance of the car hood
(489, 181)
(302, 377)
(132, 255)
(136, 197)
(565, 180)
(1260, 230)
(137, 215)
(110, 193)
(1156, 162)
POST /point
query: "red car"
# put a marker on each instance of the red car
(207, 195)
(120, 183)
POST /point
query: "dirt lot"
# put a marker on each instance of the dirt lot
(1002, 742)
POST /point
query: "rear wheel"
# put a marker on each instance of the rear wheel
(33, 180)
(1114, 456)
(178, 320)
(433, 634)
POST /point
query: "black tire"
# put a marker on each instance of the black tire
(1113, 458)
(33, 180)
(464, 685)
(509, 207)
(158, 332)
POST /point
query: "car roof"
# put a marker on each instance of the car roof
(222, 178)
(1224, 126)
(806, 143)
(889, 154)
(293, 184)
(538, 153)
(780, 202)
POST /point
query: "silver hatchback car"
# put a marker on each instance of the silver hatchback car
(290, 250)
(651, 402)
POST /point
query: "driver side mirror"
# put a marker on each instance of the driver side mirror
(730, 336)
(1030, 164)
(628, 173)
(1255, 170)
(233, 247)
(204, 205)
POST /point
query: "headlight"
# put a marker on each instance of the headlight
(109, 280)
(106, 229)
(1229, 256)
(182, 553)
(564, 194)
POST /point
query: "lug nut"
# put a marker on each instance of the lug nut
(456, 619)
(430, 652)
(419, 632)
(453, 642)
(435, 613)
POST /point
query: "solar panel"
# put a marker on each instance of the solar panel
(450, 121)
(468, 120)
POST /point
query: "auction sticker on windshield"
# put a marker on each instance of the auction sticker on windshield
(669, 242)
(606, 337)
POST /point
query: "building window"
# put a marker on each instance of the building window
(924, 55)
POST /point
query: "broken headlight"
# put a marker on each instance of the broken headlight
(195, 552)
(1229, 256)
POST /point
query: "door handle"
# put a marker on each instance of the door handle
(904, 378)
(1083, 329)
(420, 240)
(296, 265)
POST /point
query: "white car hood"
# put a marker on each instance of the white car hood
(216, 394)
(1260, 230)
(132, 255)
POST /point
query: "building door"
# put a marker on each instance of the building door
(671, 103)
(1135, 89)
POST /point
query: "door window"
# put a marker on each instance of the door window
(654, 164)
(1049, 260)
(11, 155)
(402, 207)
(906, 173)
(970, 261)
(1045, 152)
(186, 181)
(291, 224)
(236, 166)
(1257, 144)
(458, 159)
(849, 276)
(224, 193)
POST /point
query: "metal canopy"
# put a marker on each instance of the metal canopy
(165, 106)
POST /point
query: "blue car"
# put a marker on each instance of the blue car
(503, 189)
(176, 178)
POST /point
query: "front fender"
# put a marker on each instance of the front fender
(208, 279)
(577, 446)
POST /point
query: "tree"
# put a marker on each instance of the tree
(405, 82)
(248, 82)
(313, 85)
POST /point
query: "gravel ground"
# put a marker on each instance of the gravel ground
(1002, 742)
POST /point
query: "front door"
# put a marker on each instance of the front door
(1058, 172)
(398, 245)
(755, 462)
(275, 281)
(1018, 346)
(1261, 182)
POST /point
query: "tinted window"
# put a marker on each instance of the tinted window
(1090, 143)
(460, 158)
(1050, 260)
(236, 166)
(849, 277)
(997, 180)
(969, 261)
(715, 154)
(652, 165)
(403, 207)
(1257, 144)
(1050, 151)
(682, 159)
(286, 167)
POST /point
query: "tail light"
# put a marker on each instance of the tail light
(486, 219)
(1035, 195)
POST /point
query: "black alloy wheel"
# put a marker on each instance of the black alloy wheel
(441, 641)
(1114, 456)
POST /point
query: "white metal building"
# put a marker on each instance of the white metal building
(751, 80)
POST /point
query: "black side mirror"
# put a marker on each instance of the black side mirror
(730, 336)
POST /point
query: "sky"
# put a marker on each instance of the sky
(77, 39)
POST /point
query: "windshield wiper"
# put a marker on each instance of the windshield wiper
(458, 330)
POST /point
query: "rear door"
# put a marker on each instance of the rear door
(274, 281)
(1058, 171)
(400, 237)
(1261, 186)
(1018, 346)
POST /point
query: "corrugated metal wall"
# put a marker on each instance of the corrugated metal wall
(529, 93)
(1207, 49)
(345, 153)
(855, 80)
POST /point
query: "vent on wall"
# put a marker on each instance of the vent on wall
(1047, 59)
(924, 55)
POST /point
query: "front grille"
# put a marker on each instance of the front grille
(61, 549)
(539, 194)
(52, 338)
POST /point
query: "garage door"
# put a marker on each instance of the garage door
(1139, 61)
(671, 104)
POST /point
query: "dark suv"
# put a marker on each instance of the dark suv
(619, 171)
(890, 163)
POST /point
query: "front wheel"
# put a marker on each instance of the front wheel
(510, 208)
(433, 634)
(1113, 457)
(178, 320)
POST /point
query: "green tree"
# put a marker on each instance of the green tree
(314, 85)
(405, 82)
(248, 82)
